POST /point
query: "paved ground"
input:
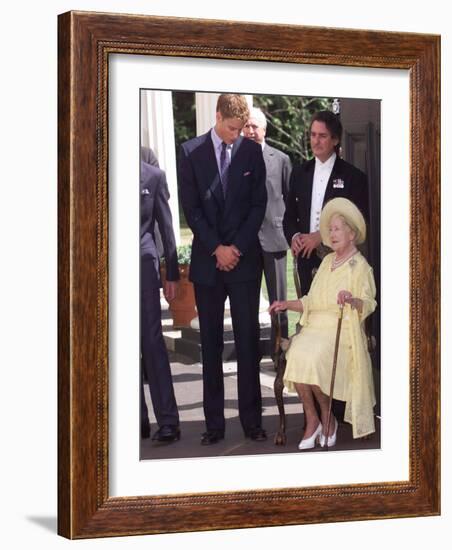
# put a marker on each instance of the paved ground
(188, 389)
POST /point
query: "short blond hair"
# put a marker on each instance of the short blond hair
(233, 106)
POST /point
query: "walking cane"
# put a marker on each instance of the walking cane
(278, 385)
(296, 280)
(333, 374)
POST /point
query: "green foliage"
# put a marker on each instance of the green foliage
(184, 254)
(288, 120)
(184, 117)
(184, 113)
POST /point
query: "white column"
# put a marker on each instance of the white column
(157, 132)
(206, 106)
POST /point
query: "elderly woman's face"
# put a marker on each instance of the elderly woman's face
(341, 236)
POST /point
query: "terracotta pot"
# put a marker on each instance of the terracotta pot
(183, 308)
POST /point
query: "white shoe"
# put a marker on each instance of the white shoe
(331, 438)
(309, 442)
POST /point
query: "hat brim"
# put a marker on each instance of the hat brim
(350, 212)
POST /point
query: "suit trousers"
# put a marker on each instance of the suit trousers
(244, 304)
(155, 361)
(275, 269)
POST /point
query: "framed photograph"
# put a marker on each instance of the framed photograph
(169, 117)
(104, 62)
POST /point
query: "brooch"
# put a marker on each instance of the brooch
(338, 183)
(352, 262)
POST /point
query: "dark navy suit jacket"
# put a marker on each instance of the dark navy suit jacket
(345, 181)
(154, 207)
(215, 219)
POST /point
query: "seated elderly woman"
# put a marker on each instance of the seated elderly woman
(344, 279)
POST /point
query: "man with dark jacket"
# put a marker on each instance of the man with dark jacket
(314, 183)
(155, 208)
(222, 186)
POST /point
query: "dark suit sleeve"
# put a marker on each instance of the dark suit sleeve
(192, 205)
(247, 233)
(290, 225)
(164, 220)
(360, 194)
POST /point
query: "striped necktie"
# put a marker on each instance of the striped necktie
(224, 167)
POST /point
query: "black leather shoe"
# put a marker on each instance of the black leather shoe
(145, 430)
(167, 433)
(211, 436)
(256, 434)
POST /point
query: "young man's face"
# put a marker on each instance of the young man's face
(322, 143)
(228, 129)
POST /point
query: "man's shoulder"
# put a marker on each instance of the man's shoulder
(192, 144)
(346, 167)
(248, 144)
(304, 167)
(276, 152)
(148, 171)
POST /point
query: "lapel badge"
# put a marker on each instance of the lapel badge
(338, 183)
(145, 191)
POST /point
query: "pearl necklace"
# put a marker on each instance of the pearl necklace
(336, 263)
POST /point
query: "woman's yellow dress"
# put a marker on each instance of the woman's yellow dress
(311, 352)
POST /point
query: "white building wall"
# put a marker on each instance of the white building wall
(157, 132)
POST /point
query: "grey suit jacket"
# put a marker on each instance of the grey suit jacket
(279, 168)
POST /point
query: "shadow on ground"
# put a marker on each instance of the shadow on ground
(188, 389)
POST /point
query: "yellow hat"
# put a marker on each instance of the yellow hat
(350, 212)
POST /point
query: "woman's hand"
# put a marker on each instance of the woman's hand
(292, 305)
(277, 306)
(346, 297)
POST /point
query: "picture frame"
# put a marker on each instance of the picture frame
(85, 42)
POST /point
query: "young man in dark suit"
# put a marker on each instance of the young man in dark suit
(222, 186)
(271, 235)
(155, 209)
(314, 183)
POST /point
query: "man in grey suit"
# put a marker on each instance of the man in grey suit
(271, 236)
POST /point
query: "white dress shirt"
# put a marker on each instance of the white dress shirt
(217, 141)
(322, 173)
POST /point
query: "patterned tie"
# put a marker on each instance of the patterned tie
(224, 167)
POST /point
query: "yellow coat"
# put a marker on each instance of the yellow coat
(311, 353)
